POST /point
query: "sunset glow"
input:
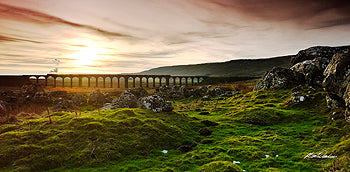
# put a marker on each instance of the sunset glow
(109, 36)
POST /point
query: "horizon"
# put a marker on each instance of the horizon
(133, 36)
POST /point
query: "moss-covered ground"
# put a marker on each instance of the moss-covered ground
(258, 131)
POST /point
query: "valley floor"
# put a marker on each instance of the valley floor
(256, 131)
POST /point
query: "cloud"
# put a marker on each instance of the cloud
(22, 14)
(309, 13)
(7, 38)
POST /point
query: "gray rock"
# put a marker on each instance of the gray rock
(280, 78)
(138, 92)
(155, 103)
(175, 92)
(125, 100)
(42, 98)
(333, 102)
(312, 72)
(314, 52)
(337, 78)
(62, 104)
(96, 97)
(79, 100)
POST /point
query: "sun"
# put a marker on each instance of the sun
(87, 56)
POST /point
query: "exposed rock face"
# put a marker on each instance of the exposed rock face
(155, 103)
(125, 100)
(280, 78)
(313, 52)
(337, 78)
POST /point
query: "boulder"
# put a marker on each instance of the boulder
(138, 92)
(61, 104)
(218, 91)
(200, 92)
(125, 100)
(96, 97)
(30, 90)
(333, 102)
(337, 78)
(155, 103)
(280, 78)
(42, 98)
(78, 100)
(10, 98)
(314, 52)
(312, 72)
(3, 109)
(175, 92)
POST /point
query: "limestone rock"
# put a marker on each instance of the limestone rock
(312, 70)
(79, 100)
(138, 92)
(280, 78)
(62, 104)
(125, 100)
(337, 77)
(155, 103)
(42, 98)
(313, 52)
(96, 97)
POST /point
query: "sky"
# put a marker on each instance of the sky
(128, 36)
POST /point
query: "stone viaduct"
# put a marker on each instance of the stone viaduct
(113, 80)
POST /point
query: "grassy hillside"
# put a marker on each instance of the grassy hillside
(262, 130)
(233, 68)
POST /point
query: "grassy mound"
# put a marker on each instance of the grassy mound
(90, 139)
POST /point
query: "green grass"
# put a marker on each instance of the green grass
(262, 130)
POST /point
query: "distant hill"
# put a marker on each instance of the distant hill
(233, 68)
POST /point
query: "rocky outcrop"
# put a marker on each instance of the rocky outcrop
(280, 78)
(312, 70)
(61, 104)
(337, 79)
(174, 92)
(155, 103)
(314, 52)
(79, 100)
(125, 100)
(138, 92)
(96, 97)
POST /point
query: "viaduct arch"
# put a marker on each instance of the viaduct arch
(113, 80)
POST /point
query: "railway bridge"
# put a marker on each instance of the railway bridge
(113, 80)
